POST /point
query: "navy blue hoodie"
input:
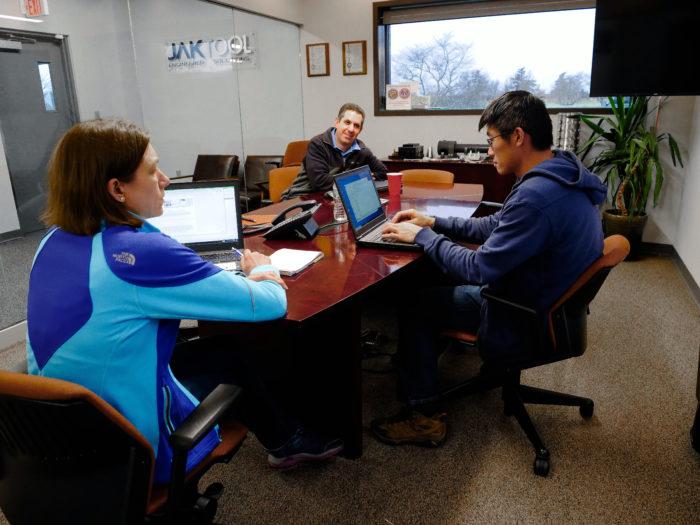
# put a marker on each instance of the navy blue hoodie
(547, 233)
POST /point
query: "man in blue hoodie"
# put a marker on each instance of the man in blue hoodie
(547, 233)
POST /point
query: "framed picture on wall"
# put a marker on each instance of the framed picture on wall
(355, 58)
(317, 60)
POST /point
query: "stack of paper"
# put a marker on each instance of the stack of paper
(290, 262)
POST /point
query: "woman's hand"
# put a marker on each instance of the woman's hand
(268, 276)
(251, 260)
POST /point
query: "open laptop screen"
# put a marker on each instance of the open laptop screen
(359, 194)
(202, 215)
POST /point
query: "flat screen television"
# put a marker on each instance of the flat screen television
(645, 47)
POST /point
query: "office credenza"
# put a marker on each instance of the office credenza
(496, 187)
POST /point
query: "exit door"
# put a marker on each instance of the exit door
(37, 105)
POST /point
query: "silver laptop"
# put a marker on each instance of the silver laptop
(206, 217)
(364, 210)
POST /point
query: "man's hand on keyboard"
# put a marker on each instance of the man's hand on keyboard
(401, 231)
(414, 217)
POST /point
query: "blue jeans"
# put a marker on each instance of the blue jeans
(423, 314)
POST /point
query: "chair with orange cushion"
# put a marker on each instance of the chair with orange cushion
(68, 457)
(281, 178)
(565, 338)
(428, 175)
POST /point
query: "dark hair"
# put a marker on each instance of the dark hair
(89, 155)
(349, 106)
(520, 109)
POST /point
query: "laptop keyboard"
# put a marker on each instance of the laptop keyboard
(376, 236)
(220, 257)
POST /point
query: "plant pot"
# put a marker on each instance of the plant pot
(631, 229)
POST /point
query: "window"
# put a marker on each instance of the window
(46, 86)
(458, 56)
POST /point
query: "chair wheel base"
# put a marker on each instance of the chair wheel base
(541, 464)
(587, 410)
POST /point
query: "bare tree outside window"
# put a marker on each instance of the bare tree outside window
(466, 63)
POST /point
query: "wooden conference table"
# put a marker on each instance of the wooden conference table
(316, 361)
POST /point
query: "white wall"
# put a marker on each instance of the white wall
(687, 240)
(288, 10)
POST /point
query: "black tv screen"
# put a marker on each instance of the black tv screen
(646, 47)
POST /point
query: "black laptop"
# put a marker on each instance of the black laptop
(364, 210)
(206, 217)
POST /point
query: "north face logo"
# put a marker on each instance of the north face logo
(124, 257)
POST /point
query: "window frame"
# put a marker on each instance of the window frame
(381, 65)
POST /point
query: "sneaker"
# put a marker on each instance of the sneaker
(410, 427)
(302, 447)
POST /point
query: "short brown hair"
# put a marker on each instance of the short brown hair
(349, 106)
(89, 155)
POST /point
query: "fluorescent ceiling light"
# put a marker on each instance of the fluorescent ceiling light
(21, 19)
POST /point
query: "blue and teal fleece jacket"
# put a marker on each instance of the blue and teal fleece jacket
(104, 312)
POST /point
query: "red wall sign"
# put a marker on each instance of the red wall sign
(36, 7)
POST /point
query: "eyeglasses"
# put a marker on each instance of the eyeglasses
(490, 140)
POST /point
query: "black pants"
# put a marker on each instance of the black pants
(200, 365)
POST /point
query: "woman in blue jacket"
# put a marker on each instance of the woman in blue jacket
(107, 291)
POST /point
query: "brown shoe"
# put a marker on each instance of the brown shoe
(410, 427)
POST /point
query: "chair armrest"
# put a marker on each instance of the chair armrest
(275, 162)
(490, 295)
(535, 315)
(204, 417)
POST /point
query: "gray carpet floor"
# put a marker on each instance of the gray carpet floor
(631, 463)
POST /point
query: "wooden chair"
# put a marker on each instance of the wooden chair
(565, 338)
(68, 457)
(428, 175)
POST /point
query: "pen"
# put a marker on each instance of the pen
(237, 252)
(249, 219)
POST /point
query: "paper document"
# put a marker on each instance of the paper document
(290, 262)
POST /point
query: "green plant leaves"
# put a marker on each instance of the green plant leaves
(629, 156)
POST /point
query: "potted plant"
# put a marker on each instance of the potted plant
(628, 159)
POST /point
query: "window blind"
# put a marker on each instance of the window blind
(446, 10)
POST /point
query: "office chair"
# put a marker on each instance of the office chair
(565, 338)
(428, 175)
(210, 167)
(68, 457)
(281, 178)
(257, 170)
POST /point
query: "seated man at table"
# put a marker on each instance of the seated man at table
(335, 150)
(547, 233)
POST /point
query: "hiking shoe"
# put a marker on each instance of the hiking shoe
(302, 447)
(410, 427)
